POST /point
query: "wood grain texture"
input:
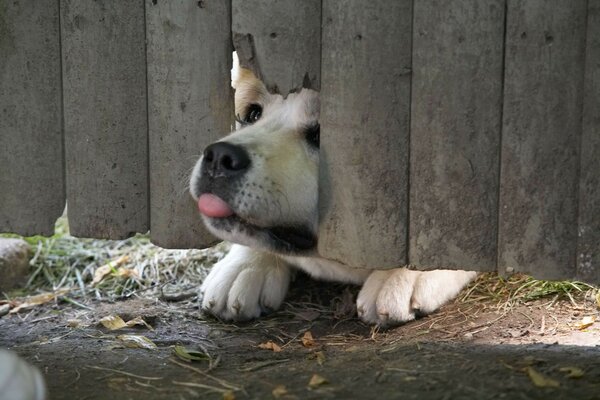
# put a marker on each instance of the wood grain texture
(190, 105)
(104, 75)
(280, 41)
(455, 133)
(31, 155)
(588, 244)
(365, 103)
(543, 92)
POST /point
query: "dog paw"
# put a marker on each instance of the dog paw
(399, 295)
(244, 284)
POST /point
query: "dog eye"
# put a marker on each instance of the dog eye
(253, 114)
(312, 135)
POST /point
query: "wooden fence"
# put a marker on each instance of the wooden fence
(455, 133)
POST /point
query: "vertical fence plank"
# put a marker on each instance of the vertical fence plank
(279, 41)
(545, 55)
(455, 133)
(190, 105)
(365, 97)
(31, 170)
(588, 249)
(104, 75)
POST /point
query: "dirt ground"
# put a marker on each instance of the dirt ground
(468, 350)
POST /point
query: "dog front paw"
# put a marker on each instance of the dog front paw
(395, 296)
(245, 284)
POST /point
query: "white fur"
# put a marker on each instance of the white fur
(398, 295)
(244, 284)
(281, 188)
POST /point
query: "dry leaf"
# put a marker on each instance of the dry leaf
(320, 357)
(189, 355)
(316, 381)
(228, 395)
(137, 341)
(33, 301)
(585, 322)
(138, 321)
(270, 346)
(74, 323)
(104, 270)
(308, 340)
(279, 391)
(572, 372)
(114, 322)
(126, 273)
(540, 380)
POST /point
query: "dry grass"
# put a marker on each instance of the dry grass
(63, 261)
(507, 292)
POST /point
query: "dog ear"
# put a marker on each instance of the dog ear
(242, 76)
(248, 88)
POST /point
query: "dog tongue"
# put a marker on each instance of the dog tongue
(212, 206)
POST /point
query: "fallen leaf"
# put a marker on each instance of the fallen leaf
(138, 321)
(37, 300)
(585, 322)
(137, 341)
(316, 381)
(107, 268)
(74, 323)
(572, 372)
(189, 355)
(270, 346)
(228, 395)
(279, 391)
(307, 339)
(114, 322)
(126, 273)
(320, 357)
(540, 380)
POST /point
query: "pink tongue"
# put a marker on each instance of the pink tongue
(212, 206)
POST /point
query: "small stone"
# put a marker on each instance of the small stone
(14, 263)
(4, 309)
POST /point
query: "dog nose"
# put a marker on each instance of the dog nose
(224, 159)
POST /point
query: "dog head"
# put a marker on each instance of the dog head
(258, 185)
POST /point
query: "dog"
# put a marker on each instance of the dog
(258, 188)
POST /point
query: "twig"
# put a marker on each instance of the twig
(148, 378)
(202, 386)
(76, 303)
(199, 371)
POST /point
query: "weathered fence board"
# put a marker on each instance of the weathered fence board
(458, 134)
(588, 249)
(190, 105)
(31, 167)
(365, 106)
(279, 41)
(545, 56)
(105, 116)
(455, 133)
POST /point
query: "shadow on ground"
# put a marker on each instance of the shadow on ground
(466, 351)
